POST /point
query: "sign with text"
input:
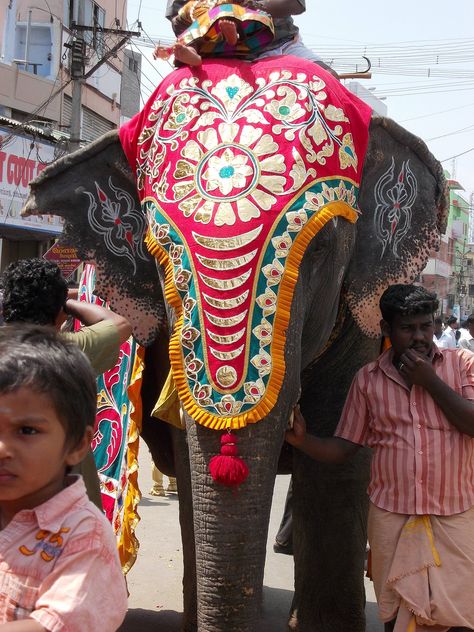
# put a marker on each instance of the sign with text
(65, 257)
(21, 159)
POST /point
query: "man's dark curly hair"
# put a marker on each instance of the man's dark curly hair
(407, 300)
(34, 291)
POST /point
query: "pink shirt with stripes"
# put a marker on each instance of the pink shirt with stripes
(421, 463)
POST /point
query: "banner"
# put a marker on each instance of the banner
(22, 158)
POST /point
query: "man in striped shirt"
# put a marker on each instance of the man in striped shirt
(414, 406)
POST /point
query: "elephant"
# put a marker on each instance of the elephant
(331, 327)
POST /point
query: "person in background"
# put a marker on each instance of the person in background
(438, 329)
(158, 489)
(59, 566)
(448, 338)
(467, 341)
(35, 291)
(414, 406)
(462, 331)
(284, 537)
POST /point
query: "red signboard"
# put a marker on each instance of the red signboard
(65, 257)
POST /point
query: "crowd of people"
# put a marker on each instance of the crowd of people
(414, 406)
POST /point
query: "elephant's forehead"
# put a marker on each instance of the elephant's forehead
(237, 172)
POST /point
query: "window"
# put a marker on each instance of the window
(133, 64)
(39, 48)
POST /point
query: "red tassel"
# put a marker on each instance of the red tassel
(228, 468)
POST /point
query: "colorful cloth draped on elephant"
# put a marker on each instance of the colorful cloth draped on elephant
(115, 442)
(200, 21)
(238, 167)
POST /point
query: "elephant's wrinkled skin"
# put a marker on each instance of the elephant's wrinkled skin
(332, 332)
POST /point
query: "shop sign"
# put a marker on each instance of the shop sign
(65, 257)
(22, 158)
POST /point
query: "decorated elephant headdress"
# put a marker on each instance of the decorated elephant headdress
(237, 168)
(237, 171)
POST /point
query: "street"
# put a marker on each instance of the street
(154, 582)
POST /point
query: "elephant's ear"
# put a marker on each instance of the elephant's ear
(403, 212)
(94, 190)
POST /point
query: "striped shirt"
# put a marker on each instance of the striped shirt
(421, 463)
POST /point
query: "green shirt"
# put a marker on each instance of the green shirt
(100, 343)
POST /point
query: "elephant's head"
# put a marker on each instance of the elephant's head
(249, 176)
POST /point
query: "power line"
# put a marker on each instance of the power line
(468, 151)
(422, 116)
(459, 131)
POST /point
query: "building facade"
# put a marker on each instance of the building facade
(36, 90)
(449, 271)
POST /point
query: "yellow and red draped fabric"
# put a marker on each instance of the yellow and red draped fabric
(238, 166)
(255, 27)
(116, 435)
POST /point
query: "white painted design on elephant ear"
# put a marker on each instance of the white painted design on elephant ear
(394, 199)
(118, 221)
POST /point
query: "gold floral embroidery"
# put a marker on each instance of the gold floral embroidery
(226, 355)
(227, 264)
(228, 339)
(228, 243)
(226, 303)
(226, 376)
(225, 284)
(226, 322)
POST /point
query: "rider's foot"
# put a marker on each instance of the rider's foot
(187, 55)
(229, 31)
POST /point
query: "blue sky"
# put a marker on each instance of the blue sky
(405, 40)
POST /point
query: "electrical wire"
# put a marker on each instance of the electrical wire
(423, 116)
(459, 131)
(468, 151)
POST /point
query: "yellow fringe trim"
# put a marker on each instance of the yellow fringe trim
(412, 625)
(128, 543)
(282, 318)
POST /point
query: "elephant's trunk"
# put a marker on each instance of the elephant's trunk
(231, 526)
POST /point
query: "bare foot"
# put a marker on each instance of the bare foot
(162, 52)
(229, 31)
(187, 55)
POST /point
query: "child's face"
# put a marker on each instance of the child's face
(34, 453)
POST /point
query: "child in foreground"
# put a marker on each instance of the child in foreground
(59, 567)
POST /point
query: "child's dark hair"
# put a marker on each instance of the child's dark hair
(34, 291)
(407, 300)
(38, 358)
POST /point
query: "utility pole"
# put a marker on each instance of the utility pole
(78, 48)
(78, 74)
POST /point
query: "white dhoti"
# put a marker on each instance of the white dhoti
(423, 569)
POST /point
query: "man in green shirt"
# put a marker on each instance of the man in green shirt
(35, 291)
